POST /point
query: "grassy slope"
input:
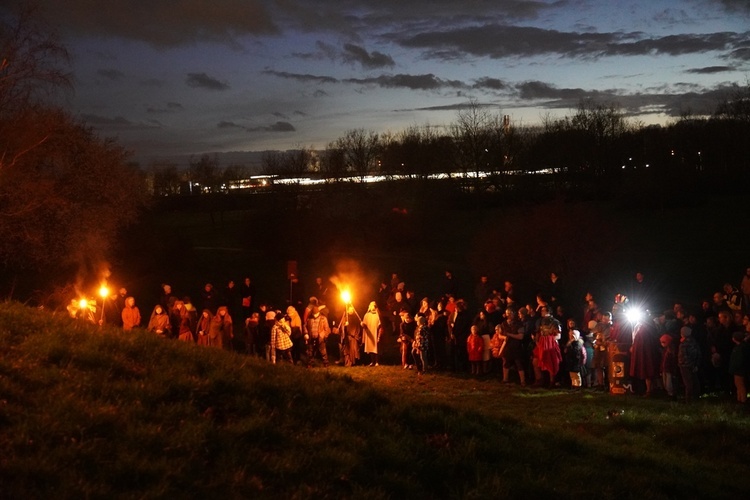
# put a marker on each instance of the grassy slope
(86, 412)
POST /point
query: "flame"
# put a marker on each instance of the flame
(346, 297)
(104, 291)
(83, 304)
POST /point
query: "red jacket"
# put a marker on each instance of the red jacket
(475, 347)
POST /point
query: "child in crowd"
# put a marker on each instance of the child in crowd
(407, 330)
(669, 368)
(475, 349)
(421, 344)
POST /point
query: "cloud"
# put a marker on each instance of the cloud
(225, 124)
(163, 23)
(499, 41)
(117, 122)
(489, 83)
(709, 70)
(202, 80)
(675, 45)
(111, 74)
(171, 107)
(305, 78)
(280, 126)
(540, 90)
(742, 53)
(734, 6)
(413, 82)
(374, 60)
(325, 51)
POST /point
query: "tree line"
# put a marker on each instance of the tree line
(596, 145)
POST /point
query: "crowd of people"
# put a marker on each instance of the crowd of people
(679, 352)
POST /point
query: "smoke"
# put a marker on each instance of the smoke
(350, 275)
(90, 277)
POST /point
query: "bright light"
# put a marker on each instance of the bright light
(346, 297)
(103, 292)
(634, 314)
(83, 304)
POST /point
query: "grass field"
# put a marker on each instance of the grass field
(96, 413)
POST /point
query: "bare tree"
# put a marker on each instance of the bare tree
(63, 204)
(360, 149)
(33, 63)
(292, 163)
(333, 163)
(737, 104)
(165, 179)
(477, 135)
(205, 172)
(33, 69)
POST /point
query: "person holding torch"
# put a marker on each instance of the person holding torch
(350, 328)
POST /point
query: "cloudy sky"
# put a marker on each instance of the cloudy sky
(182, 77)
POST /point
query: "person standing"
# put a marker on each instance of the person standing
(547, 350)
(350, 328)
(131, 315)
(371, 330)
(421, 345)
(406, 332)
(247, 294)
(118, 303)
(202, 328)
(739, 360)
(644, 353)
(512, 354)
(575, 358)
(688, 359)
(475, 350)
(281, 341)
(316, 333)
(220, 331)
(745, 289)
(460, 329)
(298, 342)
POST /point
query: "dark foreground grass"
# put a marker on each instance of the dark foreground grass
(97, 413)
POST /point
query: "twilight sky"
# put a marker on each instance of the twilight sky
(182, 77)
